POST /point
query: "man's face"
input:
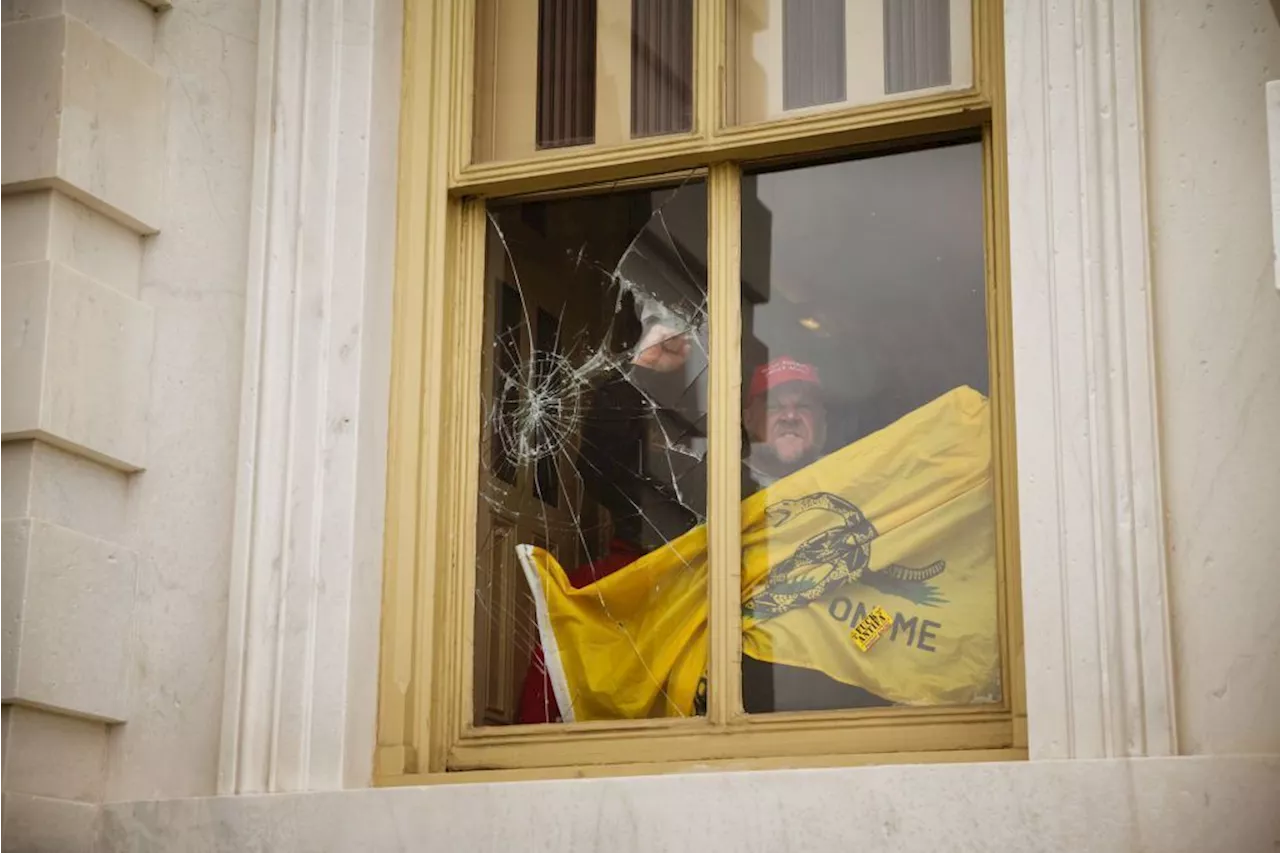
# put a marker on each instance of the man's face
(795, 422)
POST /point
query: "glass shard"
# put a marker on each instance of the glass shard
(594, 415)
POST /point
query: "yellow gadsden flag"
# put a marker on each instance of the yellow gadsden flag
(902, 519)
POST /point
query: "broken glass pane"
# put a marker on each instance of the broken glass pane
(594, 440)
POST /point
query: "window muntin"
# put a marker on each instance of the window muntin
(427, 723)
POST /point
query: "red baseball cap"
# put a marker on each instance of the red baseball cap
(781, 370)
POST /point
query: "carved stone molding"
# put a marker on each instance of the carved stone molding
(1099, 677)
(303, 612)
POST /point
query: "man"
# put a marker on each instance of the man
(786, 420)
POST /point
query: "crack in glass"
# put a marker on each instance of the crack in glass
(593, 409)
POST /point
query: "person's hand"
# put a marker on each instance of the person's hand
(663, 349)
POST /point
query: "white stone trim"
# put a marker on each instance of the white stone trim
(1115, 806)
(300, 692)
(1099, 677)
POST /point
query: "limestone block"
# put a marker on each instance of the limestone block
(33, 56)
(47, 225)
(47, 825)
(45, 482)
(77, 362)
(128, 23)
(84, 115)
(14, 546)
(16, 479)
(24, 235)
(54, 755)
(67, 616)
(94, 244)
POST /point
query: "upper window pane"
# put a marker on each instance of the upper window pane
(790, 56)
(554, 74)
(867, 478)
(590, 579)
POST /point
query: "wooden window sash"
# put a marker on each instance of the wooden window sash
(713, 136)
(805, 733)
(724, 436)
(426, 690)
(709, 743)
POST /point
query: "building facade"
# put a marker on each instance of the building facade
(210, 211)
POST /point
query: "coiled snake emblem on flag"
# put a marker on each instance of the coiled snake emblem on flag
(833, 557)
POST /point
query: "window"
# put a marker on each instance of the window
(813, 58)
(790, 55)
(708, 458)
(566, 72)
(553, 74)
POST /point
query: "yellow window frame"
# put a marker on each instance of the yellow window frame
(424, 734)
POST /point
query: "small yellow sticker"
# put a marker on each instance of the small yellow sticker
(869, 628)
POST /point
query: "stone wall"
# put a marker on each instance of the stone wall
(126, 172)
(1217, 314)
(144, 164)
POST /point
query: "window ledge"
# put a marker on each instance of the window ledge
(1166, 804)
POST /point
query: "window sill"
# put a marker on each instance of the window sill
(1169, 804)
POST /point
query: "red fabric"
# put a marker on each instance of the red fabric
(779, 371)
(537, 699)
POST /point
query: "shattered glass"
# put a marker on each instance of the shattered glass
(594, 409)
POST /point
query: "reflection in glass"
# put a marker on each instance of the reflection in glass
(594, 419)
(552, 74)
(790, 55)
(867, 476)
